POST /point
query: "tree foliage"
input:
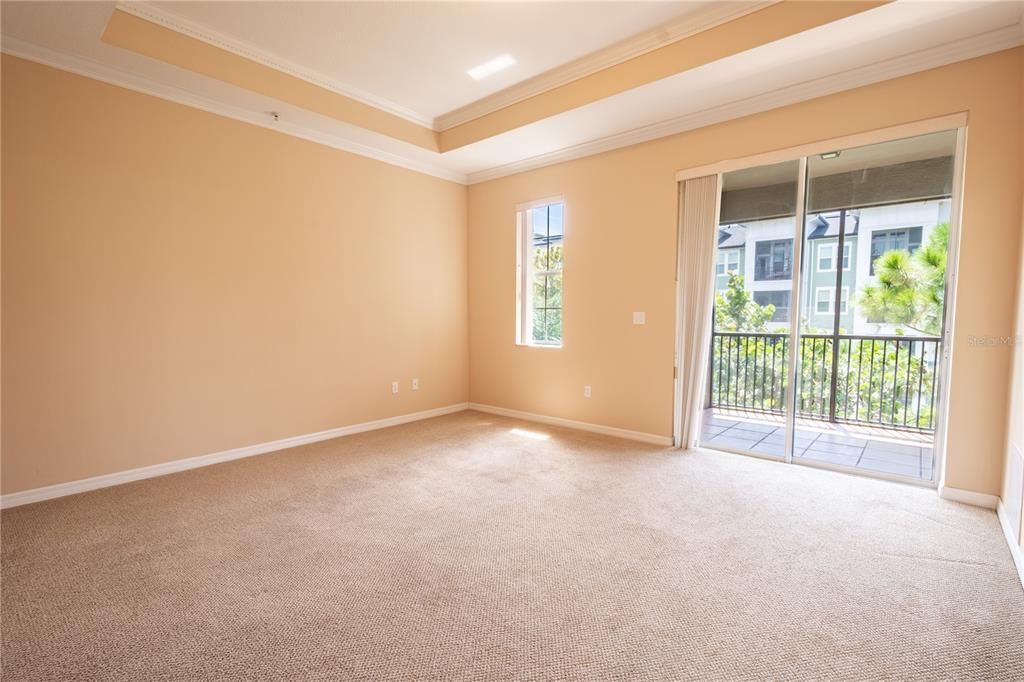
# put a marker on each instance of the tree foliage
(877, 381)
(911, 288)
(547, 294)
(736, 310)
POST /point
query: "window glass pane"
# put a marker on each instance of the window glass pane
(553, 326)
(749, 354)
(539, 293)
(554, 291)
(893, 200)
(539, 217)
(555, 255)
(779, 300)
(542, 278)
(555, 220)
(540, 257)
(773, 259)
(824, 300)
(825, 256)
(539, 325)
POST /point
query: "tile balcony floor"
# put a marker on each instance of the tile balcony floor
(872, 449)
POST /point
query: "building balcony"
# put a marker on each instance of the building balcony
(865, 402)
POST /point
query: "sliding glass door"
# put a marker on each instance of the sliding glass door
(755, 258)
(827, 343)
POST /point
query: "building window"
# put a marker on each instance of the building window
(882, 241)
(827, 255)
(728, 262)
(779, 299)
(824, 297)
(540, 229)
(773, 259)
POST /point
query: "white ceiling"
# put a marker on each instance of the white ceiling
(895, 39)
(901, 37)
(416, 54)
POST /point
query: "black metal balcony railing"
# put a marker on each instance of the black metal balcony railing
(886, 381)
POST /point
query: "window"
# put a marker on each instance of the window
(824, 297)
(539, 262)
(728, 262)
(779, 299)
(905, 239)
(773, 259)
(827, 254)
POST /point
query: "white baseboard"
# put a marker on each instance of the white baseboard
(1015, 549)
(968, 497)
(573, 424)
(107, 480)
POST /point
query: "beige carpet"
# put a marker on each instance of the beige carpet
(458, 548)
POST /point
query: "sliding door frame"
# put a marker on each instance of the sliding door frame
(958, 122)
(949, 314)
(799, 229)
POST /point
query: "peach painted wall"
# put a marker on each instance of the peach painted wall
(177, 283)
(619, 257)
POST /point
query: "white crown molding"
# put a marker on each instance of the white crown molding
(976, 46)
(175, 22)
(638, 436)
(91, 69)
(967, 48)
(1016, 549)
(703, 19)
(86, 484)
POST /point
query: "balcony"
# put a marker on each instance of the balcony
(862, 401)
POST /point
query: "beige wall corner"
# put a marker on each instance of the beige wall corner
(176, 283)
(621, 210)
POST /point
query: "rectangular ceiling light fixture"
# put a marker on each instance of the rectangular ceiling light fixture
(491, 67)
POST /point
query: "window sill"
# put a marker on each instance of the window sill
(539, 345)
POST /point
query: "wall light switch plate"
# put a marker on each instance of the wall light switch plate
(640, 318)
(415, 384)
(394, 387)
(586, 391)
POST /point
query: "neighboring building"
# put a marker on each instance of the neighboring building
(762, 251)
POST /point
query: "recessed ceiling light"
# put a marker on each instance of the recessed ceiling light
(491, 67)
(830, 155)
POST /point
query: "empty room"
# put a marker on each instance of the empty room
(676, 340)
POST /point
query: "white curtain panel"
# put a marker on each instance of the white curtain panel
(698, 230)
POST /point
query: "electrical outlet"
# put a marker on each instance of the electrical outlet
(394, 387)
(415, 384)
(640, 318)
(586, 391)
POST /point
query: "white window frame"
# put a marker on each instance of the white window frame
(730, 260)
(832, 255)
(524, 272)
(844, 301)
